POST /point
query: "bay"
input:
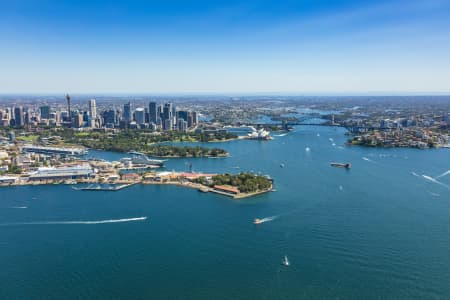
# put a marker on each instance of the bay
(379, 230)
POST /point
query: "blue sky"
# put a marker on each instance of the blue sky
(292, 47)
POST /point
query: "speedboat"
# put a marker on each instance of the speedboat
(258, 221)
(286, 261)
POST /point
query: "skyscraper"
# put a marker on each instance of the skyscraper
(18, 116)
(139, 115)
(78, 119)
(92, 112)
(181, 125)
(167, 116)
(183, 114)
(194, 118)
(109, 117)
(69, 113)
(174, 115)
(153, 112)
(45, 112)
(159, 114)
(167, 111)
(26, 116)
(127, 112)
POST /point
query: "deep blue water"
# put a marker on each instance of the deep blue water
(376, 231)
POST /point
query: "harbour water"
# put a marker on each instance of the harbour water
(378, 231)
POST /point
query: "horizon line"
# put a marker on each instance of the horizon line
(235, 94)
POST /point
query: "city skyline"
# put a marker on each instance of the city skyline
(303, 48)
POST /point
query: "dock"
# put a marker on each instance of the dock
(103, 187)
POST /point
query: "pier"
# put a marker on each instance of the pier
(103, 187)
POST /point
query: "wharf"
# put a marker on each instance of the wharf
(103, 187)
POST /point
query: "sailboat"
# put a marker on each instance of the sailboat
(286, 261)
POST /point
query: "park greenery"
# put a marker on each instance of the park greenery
(146, 142)
(172, 151)
(245, 182)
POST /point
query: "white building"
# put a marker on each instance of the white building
(92, 112)
(139, 115)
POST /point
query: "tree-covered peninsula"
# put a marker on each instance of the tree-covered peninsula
(146, 142)
(245, 182)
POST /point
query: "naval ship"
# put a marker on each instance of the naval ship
(139, 158)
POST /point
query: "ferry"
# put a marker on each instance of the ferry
(341, 165)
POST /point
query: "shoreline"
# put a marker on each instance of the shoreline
(127, 183)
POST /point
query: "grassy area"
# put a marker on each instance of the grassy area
(28, 138)
(82, 134)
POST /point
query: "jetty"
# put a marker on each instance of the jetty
(103, 187)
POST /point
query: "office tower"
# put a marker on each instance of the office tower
(146, 115)
(174, 115)
(64, 115)
(45, 112)
(194, 118)
(190, 120)
(69, 114)
(92, 112)
(77, 119)
(167, 124)
(159, 114)
(153, 112)
(186, 116)
(86, 118)
(181, 125)
(26, 116)
(109, 117)
(139, 115)
(127, 112)
(182, 114)
(167, 112)
(18, 116)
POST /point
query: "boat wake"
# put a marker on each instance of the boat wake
(283, 134)
(435, 181)
(443, 174)
(366, 159)
(434, 194)
(77, 222)
(267, 219)
(19, 207)
(415, 174)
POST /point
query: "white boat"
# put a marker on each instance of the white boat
(286, 261)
